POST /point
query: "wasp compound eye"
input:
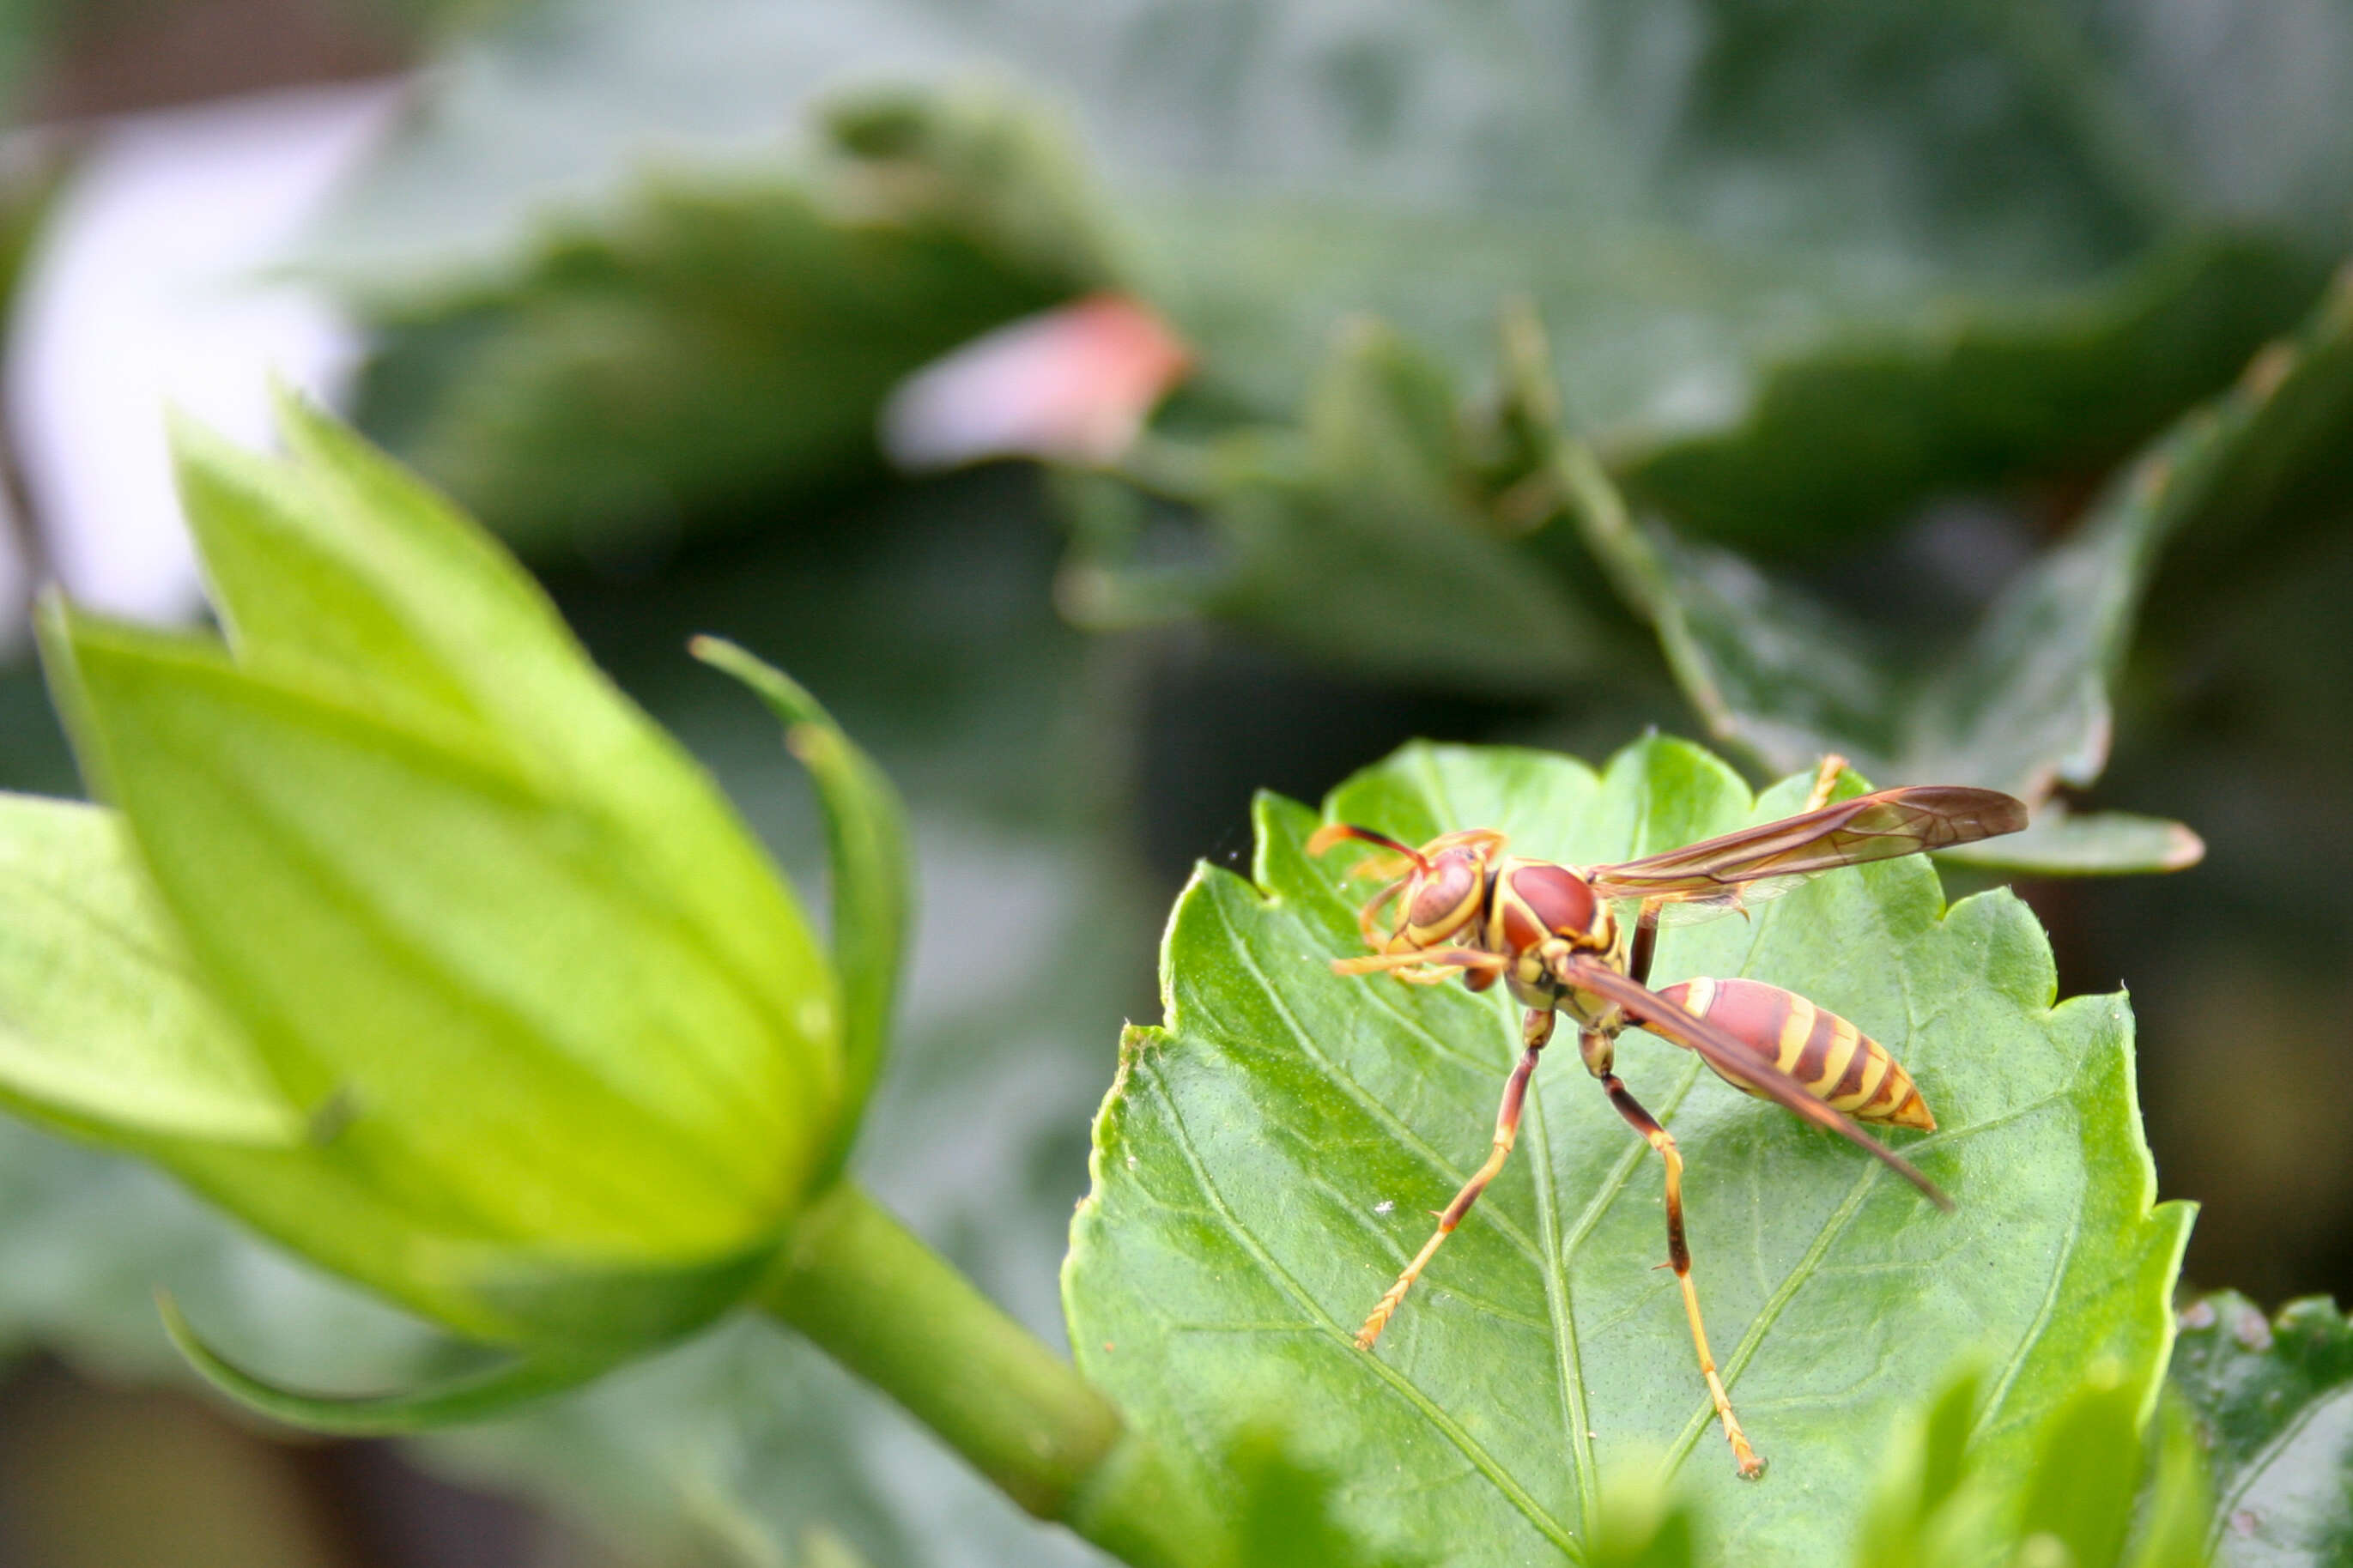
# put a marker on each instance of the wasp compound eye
(1445, 895)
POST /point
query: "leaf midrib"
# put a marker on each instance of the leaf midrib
(1560, 1254)
(1576, 1422)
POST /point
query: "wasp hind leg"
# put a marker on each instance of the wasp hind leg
(1536, 1030)
(1679, 1253)
(1646, 940)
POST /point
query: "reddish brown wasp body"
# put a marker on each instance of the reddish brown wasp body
(1465, 907)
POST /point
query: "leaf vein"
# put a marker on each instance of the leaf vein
(1428, 1408)
(2043, 1313)
(1774, 1305)
(1363, 1097)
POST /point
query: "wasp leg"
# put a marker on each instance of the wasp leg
(1536, 1030)
(1443, 960)
(1367, 917)
(1646, 940)
(1679, 1252)
(1826, 778)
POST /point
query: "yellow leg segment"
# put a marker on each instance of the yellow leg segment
(1679, 1253)
(1826, 778)
(1534, 1030)
(1423, 965)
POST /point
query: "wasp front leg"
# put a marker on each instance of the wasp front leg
(1536, 1030)
(1679, 1255)
(1427, 965)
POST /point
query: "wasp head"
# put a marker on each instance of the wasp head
(1439, 896)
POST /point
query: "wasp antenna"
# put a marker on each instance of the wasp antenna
(1331, 833)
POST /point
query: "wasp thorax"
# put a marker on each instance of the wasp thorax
(1537, 900)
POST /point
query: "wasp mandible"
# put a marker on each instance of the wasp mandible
(1464, 907)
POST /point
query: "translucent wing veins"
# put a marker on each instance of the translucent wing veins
(1880, 826)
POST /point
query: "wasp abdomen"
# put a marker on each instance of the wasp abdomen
(1834, 1061)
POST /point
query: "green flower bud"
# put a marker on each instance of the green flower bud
(415, 943)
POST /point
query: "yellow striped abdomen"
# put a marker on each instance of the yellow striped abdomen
(1834, 1061)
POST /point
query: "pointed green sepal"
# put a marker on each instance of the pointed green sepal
(866, 835)
(106, 1027)
(475, 1397)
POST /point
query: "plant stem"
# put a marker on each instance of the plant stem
(870, 1294)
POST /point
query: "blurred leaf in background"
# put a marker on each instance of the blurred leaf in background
(2021, 702)
(1803, 276)
(2274, 1402)
(1363, 536)
(730, 333)
(1806, 269)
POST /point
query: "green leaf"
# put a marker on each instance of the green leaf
(1643, 1524)
(924, 619)
(1265, 1159)
(2273, 1403)
(2173, 1530)
(1920, 1514)
(2021, 702)
(1362, 538)
(873, 878)
(1840, 440)
(103, 1020)
(291, 592)
(563, 1052)
(823, 1548)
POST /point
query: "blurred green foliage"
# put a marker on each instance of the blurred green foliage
(1869, 318)
(1805, 267)
(1801, 277)
(2107, 1485)
(731, 330)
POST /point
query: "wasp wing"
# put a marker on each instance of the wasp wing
(1730, 1057)
(1689, 909)
(1757, 862)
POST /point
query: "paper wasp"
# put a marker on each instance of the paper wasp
(1464, 907)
